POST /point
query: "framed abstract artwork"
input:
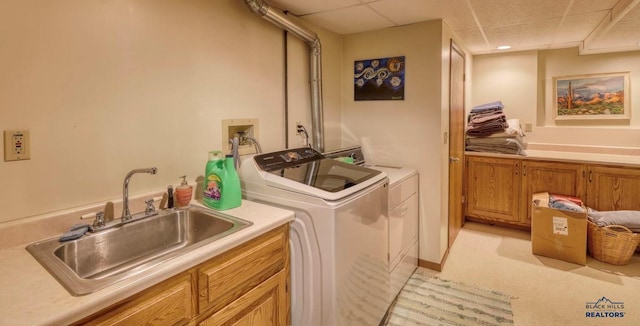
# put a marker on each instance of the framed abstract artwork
(596, 96)
(379, 79)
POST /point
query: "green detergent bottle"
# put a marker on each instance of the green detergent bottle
(221, 184)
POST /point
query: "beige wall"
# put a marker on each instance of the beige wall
(524, 82)
(407, 133)
(510, 78)
(109, 86)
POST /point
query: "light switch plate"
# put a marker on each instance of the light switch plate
(17, 145)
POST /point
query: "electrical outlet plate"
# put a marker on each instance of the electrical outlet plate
(230, 127)
(17, 145)
(528, 127)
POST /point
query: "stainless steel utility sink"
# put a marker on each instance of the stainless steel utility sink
(100, 259)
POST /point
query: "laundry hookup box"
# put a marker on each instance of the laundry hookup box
(559, 234)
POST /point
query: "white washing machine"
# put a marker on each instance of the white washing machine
(339, 238)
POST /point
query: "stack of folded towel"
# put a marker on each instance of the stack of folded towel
(488, 130)
(486, 119)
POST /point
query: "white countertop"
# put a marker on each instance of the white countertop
(577, 157)
(31, 296)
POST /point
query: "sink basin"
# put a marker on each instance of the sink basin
(100, 259)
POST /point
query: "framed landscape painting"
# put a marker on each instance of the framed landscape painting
(597, 96)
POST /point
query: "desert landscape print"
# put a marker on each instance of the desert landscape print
(592, 96)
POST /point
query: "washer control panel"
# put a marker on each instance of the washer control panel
(286, 158)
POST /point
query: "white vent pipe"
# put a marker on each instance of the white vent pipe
(281, 20)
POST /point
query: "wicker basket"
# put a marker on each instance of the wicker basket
(612, 244)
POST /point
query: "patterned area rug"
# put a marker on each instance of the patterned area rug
(430, 300)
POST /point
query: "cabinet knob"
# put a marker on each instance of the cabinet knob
(453, 159)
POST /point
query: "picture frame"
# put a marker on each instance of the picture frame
(379, 79)
(592, 97)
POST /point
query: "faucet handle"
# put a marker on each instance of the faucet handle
(98, 218)
(99, 221)
(150, 208)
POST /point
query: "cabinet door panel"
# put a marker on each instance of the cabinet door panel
(236, 272)
(260, 306)
(493, 188)
(551, 177)
(613, 188)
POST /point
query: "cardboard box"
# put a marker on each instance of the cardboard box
(558, 233)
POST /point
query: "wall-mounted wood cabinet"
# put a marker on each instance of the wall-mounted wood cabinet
(499, 189)
(247, 285)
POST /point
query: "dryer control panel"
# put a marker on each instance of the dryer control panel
(286, 158)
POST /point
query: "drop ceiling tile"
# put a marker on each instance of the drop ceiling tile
(350, 20)
(473, 41)
(403, 12)
(525, 24)
(523, 36)
(457, 15)
(305, 7)
(587, 6)
(576, 28)
(493, 13)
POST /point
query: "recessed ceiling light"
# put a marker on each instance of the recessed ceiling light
(504, 47)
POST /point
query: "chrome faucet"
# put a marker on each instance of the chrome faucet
(126, 214)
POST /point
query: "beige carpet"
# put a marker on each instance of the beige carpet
(545, 291)
(431, 300)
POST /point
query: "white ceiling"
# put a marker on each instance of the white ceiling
(595, 26)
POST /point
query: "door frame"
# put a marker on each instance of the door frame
(455, 223)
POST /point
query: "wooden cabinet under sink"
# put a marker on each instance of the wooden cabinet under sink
(247, 285)
(168, 303)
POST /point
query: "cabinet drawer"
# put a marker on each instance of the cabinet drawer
(169, 303)
(237, 271)
(400, 192)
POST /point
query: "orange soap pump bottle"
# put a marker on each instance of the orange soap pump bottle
(183, 192)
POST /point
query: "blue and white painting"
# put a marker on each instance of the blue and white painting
(379, 79)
